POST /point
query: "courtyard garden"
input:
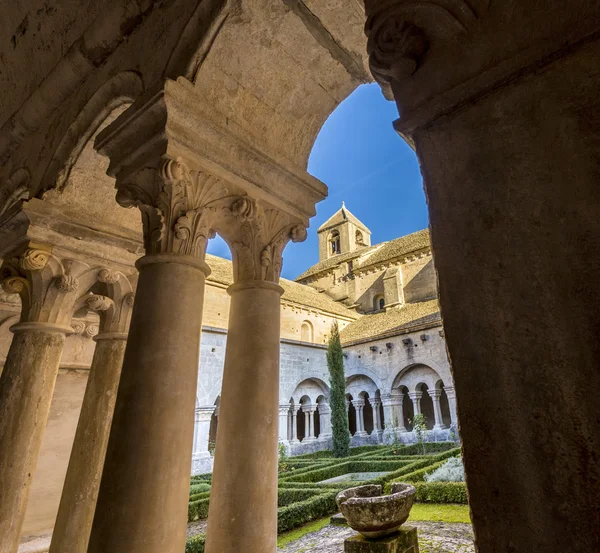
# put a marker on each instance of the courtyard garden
(308, 485)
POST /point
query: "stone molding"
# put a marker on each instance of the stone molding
(183, 208)
(176, 123)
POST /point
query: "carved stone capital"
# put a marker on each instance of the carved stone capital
(108, 276)
(177, 206)
(400, 32)
(33, 259)
(66, 283)
(99, 303)
(257, 235)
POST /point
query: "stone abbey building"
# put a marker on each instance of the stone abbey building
(199, 116)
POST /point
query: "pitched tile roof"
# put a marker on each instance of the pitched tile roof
(222, 272)
(373, 255)
(394, 320)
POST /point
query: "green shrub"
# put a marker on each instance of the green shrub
(297, 514)
(198, 510)
(195, 544)
(294, 495)
(199, 488)
(196, 479)
(441, 492)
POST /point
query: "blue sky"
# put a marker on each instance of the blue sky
(365, 163)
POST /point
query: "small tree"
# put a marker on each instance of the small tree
(337, 396)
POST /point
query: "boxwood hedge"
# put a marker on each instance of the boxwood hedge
(302, 499)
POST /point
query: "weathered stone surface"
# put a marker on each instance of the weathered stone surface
(403, 541)
(375, 515)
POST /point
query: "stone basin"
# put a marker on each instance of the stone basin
(375, 515)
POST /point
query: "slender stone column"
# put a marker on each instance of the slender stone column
(152, 434)
(243, 503)
(80, 490)
(27, 382)
(306, 424)
(284, 411)
(437, 409)
(309, 422)
(26, 388)
(294, 427)
(376, 405)
(202, 461)
(325, 419)
(359, 405)
(451, 395)
(416, 400)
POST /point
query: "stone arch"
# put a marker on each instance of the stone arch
(312, 387)
(358, 384)
(120, 90)
(378, 302)
(334, 242)
(426, 404)
(14, 192)
(307, 332)
(414, 374)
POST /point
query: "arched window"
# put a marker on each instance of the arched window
(378, 302)
(306, 332)
(360, 241)
(334, 242)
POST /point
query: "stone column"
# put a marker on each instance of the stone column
(80, 490)
(151, 437)
(243, 504)
(509, 98)
(437, 410)
(416, 400)
(284, 411)
(246, 458)
(394, 414)
(359, 405)
(192, 177)
(309, 423)
(294, 427)
(27, 381)
(325, 419)
(451, 395)
(202, 462)
(377, 426)
(26, 388)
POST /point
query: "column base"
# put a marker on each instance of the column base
(308, 440)
(202, 463)
(361, 434)
(405, 540)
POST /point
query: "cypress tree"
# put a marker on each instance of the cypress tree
(337, 395)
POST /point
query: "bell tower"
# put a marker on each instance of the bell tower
(342, 233)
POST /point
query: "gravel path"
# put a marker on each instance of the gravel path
(434, 537)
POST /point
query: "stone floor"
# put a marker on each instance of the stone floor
(434, 537)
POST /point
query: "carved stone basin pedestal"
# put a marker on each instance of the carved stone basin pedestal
(403, 540)
(379, 519)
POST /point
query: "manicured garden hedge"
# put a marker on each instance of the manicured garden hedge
(441, 492)
(301, 498)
